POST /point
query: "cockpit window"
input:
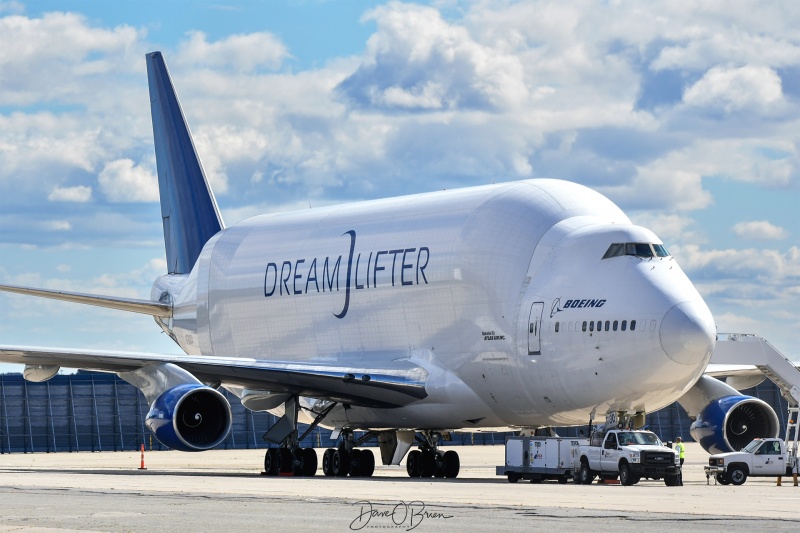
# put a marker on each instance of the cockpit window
(637, 249)
(660, 250)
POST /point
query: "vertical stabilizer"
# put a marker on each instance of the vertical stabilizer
(188, 209)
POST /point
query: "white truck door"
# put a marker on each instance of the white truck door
(609, 454)
(768, 459)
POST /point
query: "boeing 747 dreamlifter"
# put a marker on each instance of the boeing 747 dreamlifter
(518, 305)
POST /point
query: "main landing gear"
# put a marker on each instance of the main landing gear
(346, 459)
(290, 459)
(429, 461)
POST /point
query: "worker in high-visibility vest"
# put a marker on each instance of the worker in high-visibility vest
(681, 449)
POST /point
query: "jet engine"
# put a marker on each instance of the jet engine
(190, 417)
(730, 423)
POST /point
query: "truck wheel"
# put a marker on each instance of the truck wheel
(586, 474)
(722, 478)
(737, 475)
(625, 476)
(513, 477)
(671, 481)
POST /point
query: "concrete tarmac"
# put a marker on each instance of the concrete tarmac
(224, 490)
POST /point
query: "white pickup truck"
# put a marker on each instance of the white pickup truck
(762, 457)
(631, 455)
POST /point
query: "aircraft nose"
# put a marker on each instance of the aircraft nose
(688, 334)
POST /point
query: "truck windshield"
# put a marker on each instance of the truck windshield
(638, 437)
(750, 448)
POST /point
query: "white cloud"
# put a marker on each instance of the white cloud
(416, 60)
(244, 52)
(734, 89)
(121, 181)
(56, 225)
(750, 264)
(38, 56)
(672, 228)
(78, 194)
(16, 8)
(759, 230)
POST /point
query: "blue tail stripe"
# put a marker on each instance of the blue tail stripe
(188, 208)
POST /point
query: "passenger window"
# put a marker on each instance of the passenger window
(652, 325)
(608, 324)
(591, 325)
(615, 325)
(584, 325)
(556, 327)
(624, 325)
(633, 325)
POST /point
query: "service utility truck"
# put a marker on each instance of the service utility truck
(539, 458)
(762, 457)
(629, 454)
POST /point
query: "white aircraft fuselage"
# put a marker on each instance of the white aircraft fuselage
(501, 293)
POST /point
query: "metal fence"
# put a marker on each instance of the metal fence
(100, 412)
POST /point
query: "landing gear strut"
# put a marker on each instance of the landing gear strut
(346, 459)
(429, 461)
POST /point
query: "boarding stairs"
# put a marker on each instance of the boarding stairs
(752, 350)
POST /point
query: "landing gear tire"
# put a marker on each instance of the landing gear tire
(283, 460)
(367, 463)
(586, 476)
(722, 478)
(452, 464)
(327, 462)
(439, 470)
(412, 463)
(309, 456)
(270, 462)
(341, 463)
(355, 463)
(737, 475)
(427, 464)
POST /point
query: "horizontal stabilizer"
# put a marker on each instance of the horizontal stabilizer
(145, 307)
(396, 384)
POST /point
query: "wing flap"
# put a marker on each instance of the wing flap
(394, 384)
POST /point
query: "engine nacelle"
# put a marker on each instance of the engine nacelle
(730, 423)
(190, 418)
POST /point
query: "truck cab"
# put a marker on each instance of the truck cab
(762, 457)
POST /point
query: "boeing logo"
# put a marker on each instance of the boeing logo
(574, 304)
(363, 271)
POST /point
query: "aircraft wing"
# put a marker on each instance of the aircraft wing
(394, 384)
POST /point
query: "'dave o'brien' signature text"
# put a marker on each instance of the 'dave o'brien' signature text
(393, 515)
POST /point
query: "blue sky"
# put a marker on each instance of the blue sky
(687, 116)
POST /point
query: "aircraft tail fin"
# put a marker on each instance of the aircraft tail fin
(188, 209)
